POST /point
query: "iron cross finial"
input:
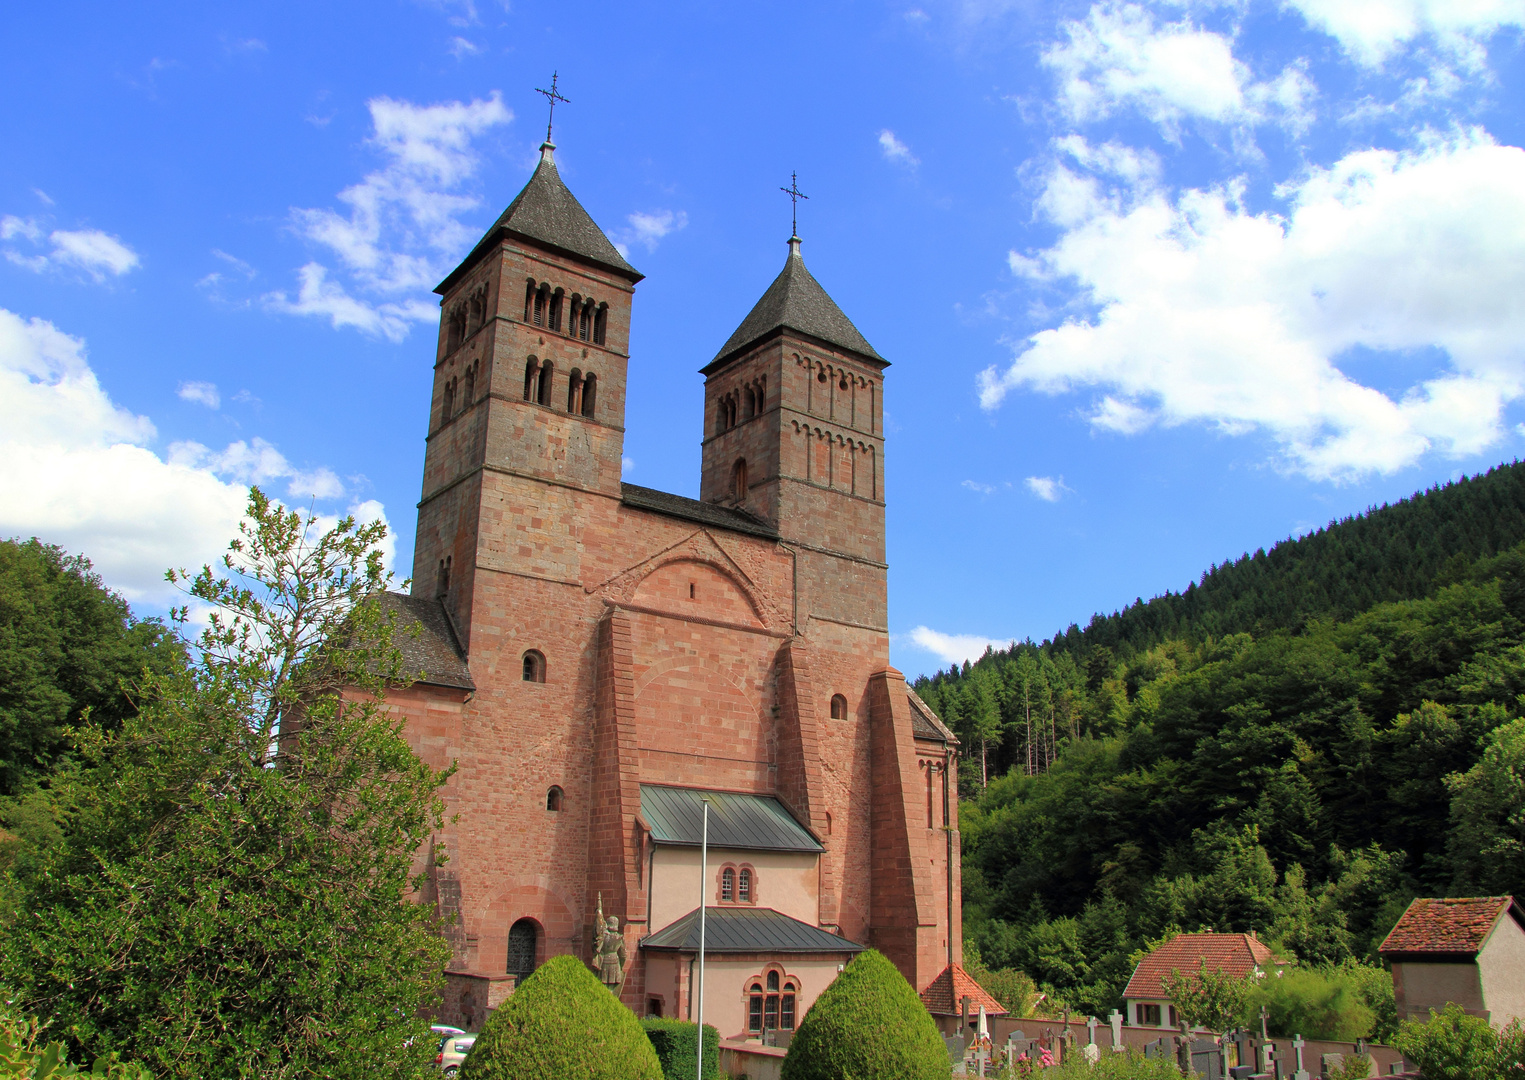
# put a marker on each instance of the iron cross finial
(795, 195)
(553, 97)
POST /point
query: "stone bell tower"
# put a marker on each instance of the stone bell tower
(529, 389)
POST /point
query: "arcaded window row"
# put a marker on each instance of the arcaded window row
(740, 404)
(576, 316)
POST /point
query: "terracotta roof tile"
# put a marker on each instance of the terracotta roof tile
(1233, 954)
(943, 994)
(1449, 926)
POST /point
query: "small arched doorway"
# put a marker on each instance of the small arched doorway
(523, 942)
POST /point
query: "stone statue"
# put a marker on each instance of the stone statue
(608, 950)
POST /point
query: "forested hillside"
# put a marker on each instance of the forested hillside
(1297, 747)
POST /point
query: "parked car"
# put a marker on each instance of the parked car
(452, 1051)
(445, 1029)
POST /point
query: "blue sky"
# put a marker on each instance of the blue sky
(1160, 283)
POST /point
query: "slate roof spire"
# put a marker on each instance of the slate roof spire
(548, 214)
(796, 301)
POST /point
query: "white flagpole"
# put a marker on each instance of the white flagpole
(704, 873)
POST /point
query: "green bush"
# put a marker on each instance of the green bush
(869, 1025)
(673, 1040)
(1318, 1003)
(1451, 1045)
(24, 1057)
(562, 1024)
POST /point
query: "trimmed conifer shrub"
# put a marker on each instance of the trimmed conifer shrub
(869, 1025)
(562, 1024)
(673, 1040)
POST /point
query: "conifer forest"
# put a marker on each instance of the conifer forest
(1296, 745)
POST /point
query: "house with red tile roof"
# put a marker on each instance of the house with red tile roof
(1468, 950)
(944, 999)
(1145, 1002)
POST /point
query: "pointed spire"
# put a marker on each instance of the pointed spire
(797, 302)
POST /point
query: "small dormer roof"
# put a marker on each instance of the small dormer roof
(796, 301)
(546, 212)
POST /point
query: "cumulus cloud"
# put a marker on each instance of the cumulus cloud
(401, 229)
(649, 229)
(202, 393)
(97, 253)
(81, 471)
(1371, 31)
(895, 150)
(1047, 488)
(1120, 57)
(955, 648)
(1207, 312)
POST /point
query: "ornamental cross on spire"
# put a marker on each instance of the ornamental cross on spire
(795, 195)
(553, 97)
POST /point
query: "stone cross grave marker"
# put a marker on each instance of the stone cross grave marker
(1116, 1021)
(1297, 1048)
(1091, 1030)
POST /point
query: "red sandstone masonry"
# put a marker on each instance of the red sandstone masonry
(799, 767)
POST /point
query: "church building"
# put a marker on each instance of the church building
(602, 660)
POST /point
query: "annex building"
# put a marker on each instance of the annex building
(601, 658)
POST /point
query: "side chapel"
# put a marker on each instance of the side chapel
(601, 658)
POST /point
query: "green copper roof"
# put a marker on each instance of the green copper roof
(747, 930)
(755, 822)
(796, 301)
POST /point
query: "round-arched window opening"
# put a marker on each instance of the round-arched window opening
(838, 707)
(534, 666)
(523, 943)
(727, 885)
(744, 886)
(553, 799)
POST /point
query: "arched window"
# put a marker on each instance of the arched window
(547, 371)
(589, 394)
(771, 1003)
(838, 707)
(600, 322)
(744, 885)
(534, 666)
(585, 321)
(523, 944)
(531, 379)
(755, 1007)
(751, 403)
(557, 299)
(786, 1007)
(529, 298)
(447, 406)
(727, 885)
(574, 305)
(471, 386)
(542, 302)
(442, 583)
(574, 392)
(553, 799)
(739, 481)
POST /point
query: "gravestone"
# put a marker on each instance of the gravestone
(1207, 1059)
(1330, 1062)
(1160, 1048)
(955, 1045)
(1115, 1019)
(1300, 1073)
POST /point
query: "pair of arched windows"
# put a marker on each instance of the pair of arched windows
(582, 387)
(464, 384)
(737, 885)
(466, 317)
(741, 404)
(770, 1002)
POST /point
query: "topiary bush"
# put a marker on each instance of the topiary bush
(868, 1025)
(562, 1024)
(673, 1040)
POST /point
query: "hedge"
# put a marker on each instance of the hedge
(673, 1041)
(562, 1024)
(869, 1025)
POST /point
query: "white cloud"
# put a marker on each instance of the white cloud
(1047, 488)
(402, 230)
(1120, 57)
(461, 47)
(649, 229)
(627, 466)
(95, 252)
(1208, 313)
(1371, 31)
(895, 150)
(955, 648)
(203, 393)
(976, 486)
(80, 471)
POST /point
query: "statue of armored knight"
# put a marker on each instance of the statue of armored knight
(608, 950)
